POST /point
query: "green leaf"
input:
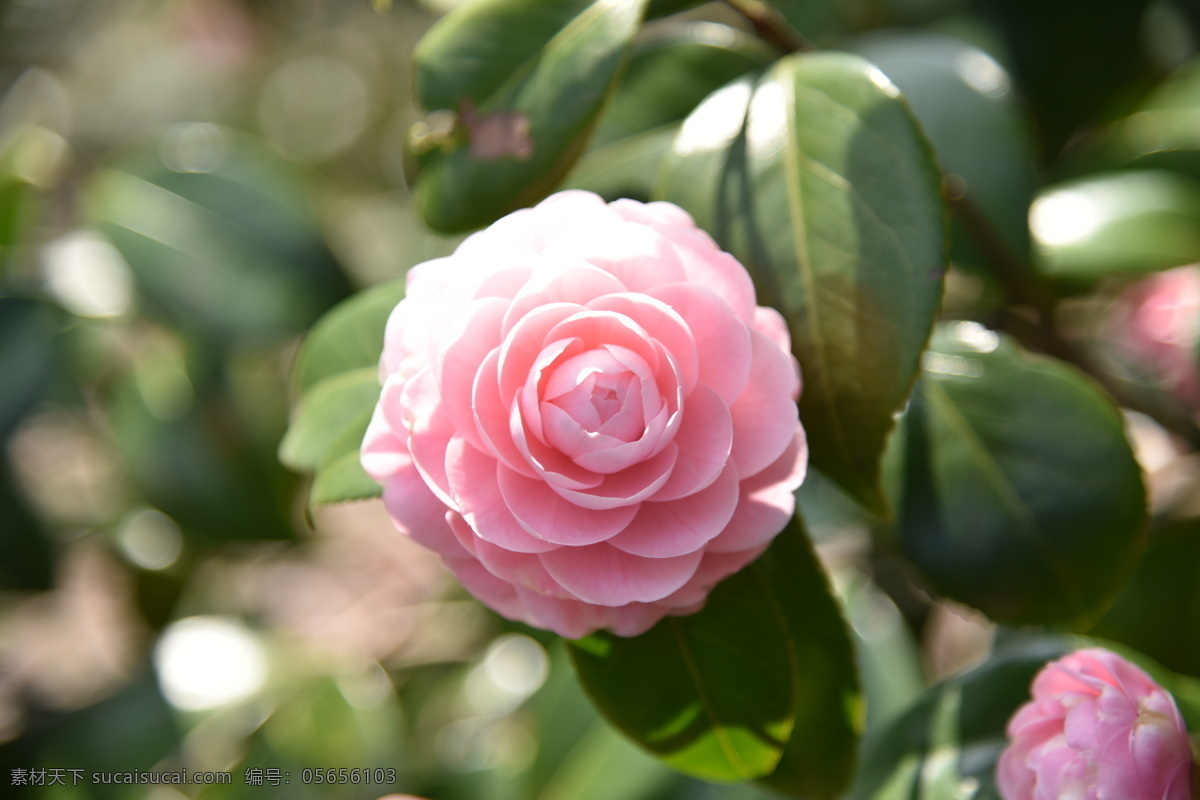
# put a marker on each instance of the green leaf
(669, 72)
(1125, 222)
(965, 103)
(1017, 491)
(818, 760)
(950, 739)
(625, 168)
(349, 337)
(232, 253)
(759, 684)
(1165, 586)
(336, 372)
(337, 408)
(528, 88)
(340, 476)
(888, 658)
(818, 179)
(28, 334)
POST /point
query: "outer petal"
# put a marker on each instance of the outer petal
(473, 334)
(764, 415)
(635, 255)
(547, 515)
(474, 484)
(665, 529)
(429, 431)
(722, 340)
(705, 440)
(606, 576)
(766, 502)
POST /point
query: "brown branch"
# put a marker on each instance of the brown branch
(1025, 287)
(770, 26)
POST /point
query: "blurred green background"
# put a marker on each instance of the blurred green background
(187, 185)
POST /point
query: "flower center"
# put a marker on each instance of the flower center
(606, 401)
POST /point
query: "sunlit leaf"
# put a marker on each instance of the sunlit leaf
(349, 337)
(336, 407)
(760, 684)
(1121, 222)
(817, 178)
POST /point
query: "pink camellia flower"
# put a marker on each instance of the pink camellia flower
(1097, 728)
(587, 415)
(1157, 326)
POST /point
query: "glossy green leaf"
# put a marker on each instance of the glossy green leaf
(340, 476)
(1017, 491)
(946, 745)
(818, 179)
(1162, 129)
(1123, 222)
(819, 758)
(966, 104)
(671, 70)
(337, 372)
(336, 408)
(528, 88)
(759, 684)
(668, 74)
(349, 337)
(628, 167)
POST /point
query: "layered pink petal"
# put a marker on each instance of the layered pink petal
(547, 515)
(764, 414)
(662, 324)
(524, 344)
(677, 527)
(1099, 728)
(474, 484)
(705, 440)
(657, 214)
(767, 500)
(384, 451)
(472, 335)
(575, 283)
(635, 255)
(606, 576)
(570, 415)
(722, 341)
(492, 417)
(429, 431)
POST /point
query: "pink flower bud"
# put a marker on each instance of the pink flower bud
(1097, 728)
